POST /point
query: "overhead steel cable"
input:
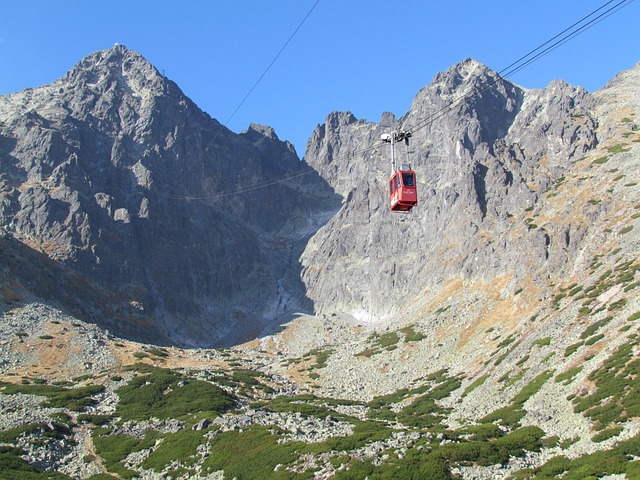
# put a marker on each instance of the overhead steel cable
(566, 38)
(519, 64)
(501, 72)
(516, 66)
(242, 190)
(524, 61)
(272, 62)
(242, 102)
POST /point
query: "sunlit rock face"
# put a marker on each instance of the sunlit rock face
(485, 151)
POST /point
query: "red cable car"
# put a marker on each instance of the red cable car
(403, 195)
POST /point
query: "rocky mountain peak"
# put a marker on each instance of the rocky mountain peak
(477, 143)
(464, 72)
(127, 68)
(256, 130)
(128, 184)
(122, 179)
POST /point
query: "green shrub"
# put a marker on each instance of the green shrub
(166, 394)
(606, 434)
(97, 420)
(252, 454)
(423, 411)
(158, 352)
(542, 342)
(322, 358)
(114, 449)
(618, 305)
(551, 442)
(496, 450)
(633, 317)
(13, 467)
(388, 340)
(508, 341)
(594, 327)
(619, 148)
(423, 467)
(476, 383)
(411, 335)
(584, 311)
(568, 376)
(568, 442)
(616, 381)
(523, 439)
(575, 290)
(357, 469)
(364, 432)
(246, 377)
(179, 447)
(368, 353)
(532, 387)
(596, 465)
(11, 435)
(633, 469)
(572, 348)
(511, 415)
(594, 339)
(58, 397)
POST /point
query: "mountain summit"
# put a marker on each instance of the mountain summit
(116, 175)
(486, 151)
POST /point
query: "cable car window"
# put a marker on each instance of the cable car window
(394, 184)
(407, 179)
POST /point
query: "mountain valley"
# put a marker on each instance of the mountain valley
(179, 301)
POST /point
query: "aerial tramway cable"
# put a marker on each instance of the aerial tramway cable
(506, 72)
(524, 61)
(530, 58)
(224, 125)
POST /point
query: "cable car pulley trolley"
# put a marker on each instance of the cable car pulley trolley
(403, 195)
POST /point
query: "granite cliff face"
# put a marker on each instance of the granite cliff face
(115, 174)
(485, 152)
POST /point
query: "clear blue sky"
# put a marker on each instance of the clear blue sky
(366, 57)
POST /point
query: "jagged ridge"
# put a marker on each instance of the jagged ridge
(117, 175)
